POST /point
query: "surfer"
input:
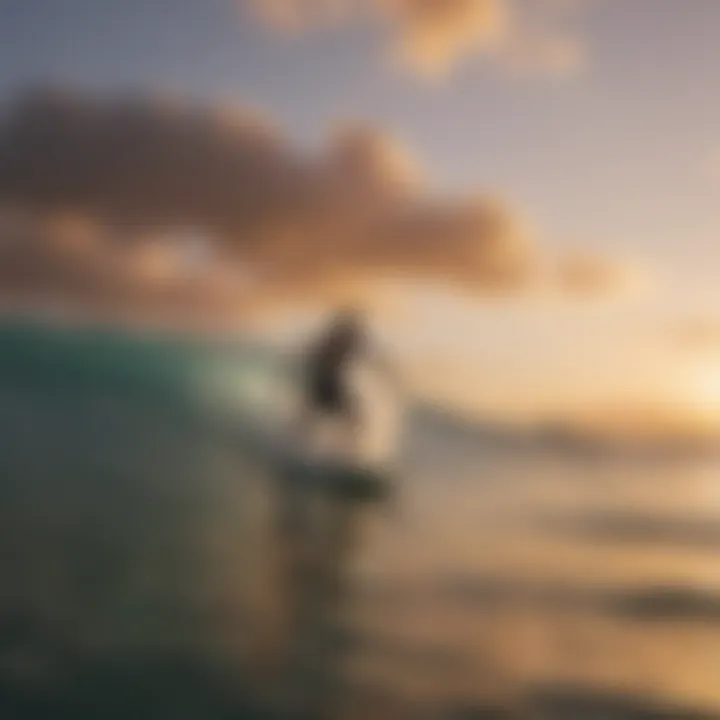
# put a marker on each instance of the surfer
(329, 391)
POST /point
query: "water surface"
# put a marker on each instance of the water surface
(157, 562)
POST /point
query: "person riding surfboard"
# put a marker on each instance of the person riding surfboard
(330, 390)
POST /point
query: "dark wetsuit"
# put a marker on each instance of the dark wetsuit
(327, 387)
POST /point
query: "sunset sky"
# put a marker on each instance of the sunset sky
(594, 124)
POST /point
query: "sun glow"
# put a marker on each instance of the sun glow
(703, 392)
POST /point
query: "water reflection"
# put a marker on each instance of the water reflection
(152, 567)
(158, 563)
(623, 526)
(317, 529)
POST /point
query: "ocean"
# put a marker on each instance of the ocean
(159, 560)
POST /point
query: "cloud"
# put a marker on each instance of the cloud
(62, 260)
(697, 335)
(297, 15)
(137, 202)
(433, 37)
(590, 274)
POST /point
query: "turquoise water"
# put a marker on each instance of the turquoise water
(147, 561)
(156, 561)
(147, 367)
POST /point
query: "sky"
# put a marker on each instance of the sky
(624, 150)
(597, 121)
